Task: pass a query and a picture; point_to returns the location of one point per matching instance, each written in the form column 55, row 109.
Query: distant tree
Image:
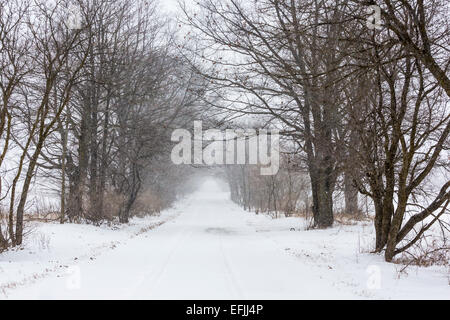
column 279, row 60
column 43, row 47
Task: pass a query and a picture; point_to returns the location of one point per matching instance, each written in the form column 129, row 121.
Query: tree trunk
column 351, row 196
column 79, row 173
column 63, row 132
column 24, row 195
column 322, row 199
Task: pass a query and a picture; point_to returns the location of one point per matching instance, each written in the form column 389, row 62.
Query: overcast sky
column 170, row 5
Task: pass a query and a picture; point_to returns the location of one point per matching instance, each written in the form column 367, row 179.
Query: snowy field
column 206, row 247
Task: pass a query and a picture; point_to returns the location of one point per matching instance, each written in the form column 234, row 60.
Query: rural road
column 209, row 251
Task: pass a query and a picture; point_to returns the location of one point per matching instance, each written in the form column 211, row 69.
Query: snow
column 207, row 247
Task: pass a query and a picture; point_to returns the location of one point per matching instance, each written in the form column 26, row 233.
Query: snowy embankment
column 55, row 250
column 341, row 256
column 209, row 248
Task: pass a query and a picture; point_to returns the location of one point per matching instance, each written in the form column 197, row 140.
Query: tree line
column 360, row 89
column 89, row 108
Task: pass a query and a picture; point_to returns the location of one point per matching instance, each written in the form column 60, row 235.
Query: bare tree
column 421, row 27
column 14, row 66
column 48, row 50
column 403, row 125
column 281, row 61
column 132, row 91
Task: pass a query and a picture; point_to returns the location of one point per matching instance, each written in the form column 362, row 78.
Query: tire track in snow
column 152, row 278
column 231, row 275
column 59, row 269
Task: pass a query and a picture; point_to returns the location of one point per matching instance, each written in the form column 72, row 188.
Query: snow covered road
column 211, row 250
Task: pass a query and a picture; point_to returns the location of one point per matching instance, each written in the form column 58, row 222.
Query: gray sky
column 170, row 5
